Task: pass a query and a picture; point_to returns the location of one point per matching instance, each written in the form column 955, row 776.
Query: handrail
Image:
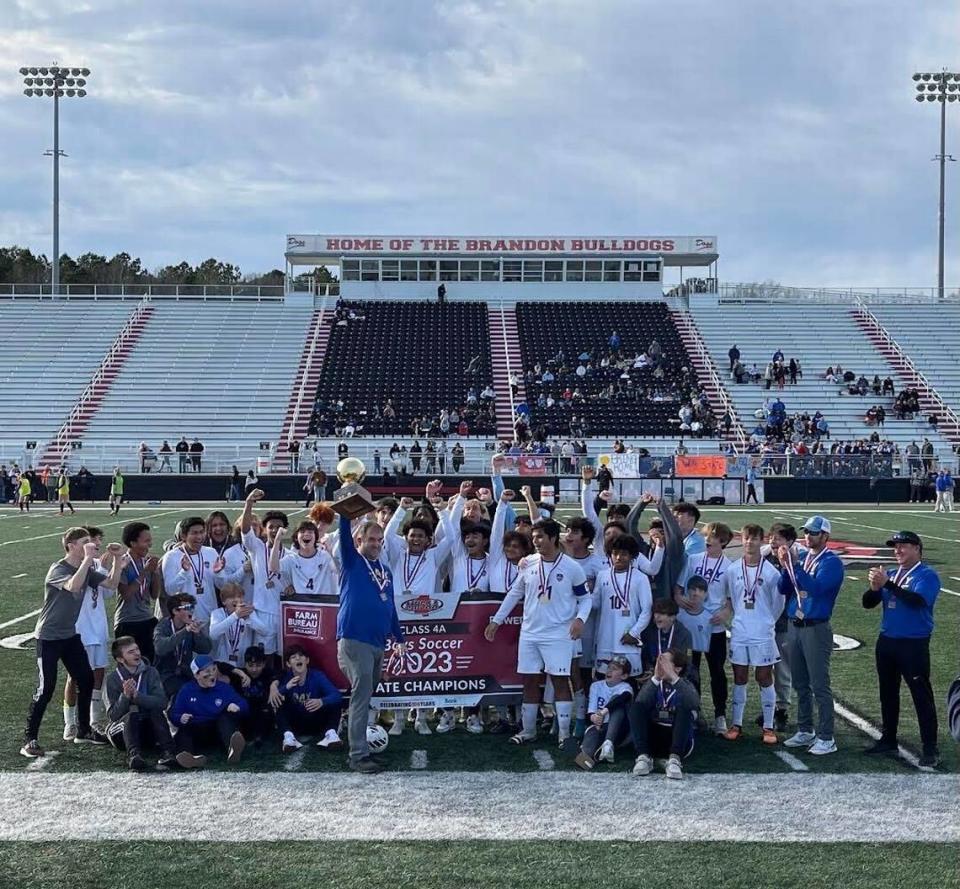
column 908, row 361
column 744, row 294
column 303, row 378
column 506, row 352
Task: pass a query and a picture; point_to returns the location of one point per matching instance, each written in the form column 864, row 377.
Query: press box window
column 449, row 270
column 350, row 270
column 390, row 270
column 651, row 270
column 512, row 269
column 489, row 270
column 428, row 270
column 574, row 269
column 533, row 270
column 594, row 270
column 553, row 270
column 370, row 270
column 469, row 270
column 611, row 270
column 408, row 270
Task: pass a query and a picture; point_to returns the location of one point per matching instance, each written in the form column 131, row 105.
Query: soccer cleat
column 734, row 733
column 800, row 739
column 138, row 763
column 397, row 728
column 566, row 744
column 32, row 750
column 584, row 761
column 474, row 725
column 367, row 766
column 643, row 765
column 188, row 761
column 447, row 723
column 673, row 768
column 522, row 738
column 290, row 743
column 421, row 726
column 330, row 741
column 823, row 746
column 769, row 737
column 606, row 753
column 930, row 760
column 167, row 761
column 235, row 748
column 882, row 748
column 91, row 736
column 69, row 731
column 720, row 725
column 500, row 727
column 780, row 719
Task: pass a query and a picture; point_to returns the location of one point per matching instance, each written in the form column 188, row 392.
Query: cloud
column 214, row 129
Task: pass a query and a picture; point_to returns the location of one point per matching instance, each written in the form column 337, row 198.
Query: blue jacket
column 904, row 620
column 367, row 612
column 205, row 704
column 822, row 586
column 315, row 685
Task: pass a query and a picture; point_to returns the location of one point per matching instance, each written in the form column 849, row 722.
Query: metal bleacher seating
column 545, row 329
column 50, row 350
column 413, row 353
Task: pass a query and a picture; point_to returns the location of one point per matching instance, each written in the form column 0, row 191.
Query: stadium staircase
column 505, row 358
column 720, row 401
column 100, row 383
column 300, row 407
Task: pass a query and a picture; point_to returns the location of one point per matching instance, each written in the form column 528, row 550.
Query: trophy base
column 352, row 506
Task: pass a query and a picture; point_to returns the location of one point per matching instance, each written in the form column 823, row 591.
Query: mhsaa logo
column 421, row 605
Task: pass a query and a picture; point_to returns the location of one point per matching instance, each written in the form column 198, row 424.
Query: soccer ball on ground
column 377, row 738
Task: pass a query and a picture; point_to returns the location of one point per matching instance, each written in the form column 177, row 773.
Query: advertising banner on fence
column 624, row 466
column 526, row 464
column 702, row 466
column 448, row 663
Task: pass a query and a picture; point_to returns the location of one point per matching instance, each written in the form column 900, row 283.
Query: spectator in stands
column 342, row 450
column 926, row 451
column 655, row 352
column 293, row 448
column 457, row 457
column 876, row 385
column 250, row 482
column 183, row 452
column 734, row 356
column 794, row 368
column 196, row 454
column 416, row 454
column 887, row 387
column 165, row 452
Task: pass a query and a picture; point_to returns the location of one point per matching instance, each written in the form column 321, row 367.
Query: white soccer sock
column 98, row 712
column 580, row 704
column 69, row 715
column 549, row 695
column 372, row 715
column 768, row 700
column 529, row 719
column 739, row 703
column 289, row 736
column 564, row 712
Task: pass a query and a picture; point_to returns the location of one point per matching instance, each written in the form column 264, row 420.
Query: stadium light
column 56, row 82
column 939, row 86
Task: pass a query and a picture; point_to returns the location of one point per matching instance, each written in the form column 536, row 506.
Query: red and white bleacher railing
column 311, row 355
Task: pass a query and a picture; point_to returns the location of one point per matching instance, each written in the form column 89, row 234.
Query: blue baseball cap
column 201, row 662
column 817, row 525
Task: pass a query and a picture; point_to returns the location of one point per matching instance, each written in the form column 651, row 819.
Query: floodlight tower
column 939, row 86
column 55, row 82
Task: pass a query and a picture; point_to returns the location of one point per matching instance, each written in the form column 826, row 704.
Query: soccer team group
column 615, row 626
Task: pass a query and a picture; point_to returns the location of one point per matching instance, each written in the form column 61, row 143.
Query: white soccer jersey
column 601, row 693
column 501, row 570
column 314, row 576
column 592, row 564
column 624, row 604
column 266, row 586
column 92, row 624
column 421, row 574
column 756, row 601
column 700, row 628
column 197, row 580
column 232, row 636
column 712, row 570
column 553, row 594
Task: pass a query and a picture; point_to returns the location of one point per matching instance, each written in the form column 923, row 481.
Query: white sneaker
column 606, row 753
column 800, row 739
column 290, row 743
column 422, row 727
column 720, row 725
column 330, row 739
column 70, row 732
column 474, row 725
column 821, row 747
column 643, row 765
column 674, row 769
column 397, row 727
column 447, row 723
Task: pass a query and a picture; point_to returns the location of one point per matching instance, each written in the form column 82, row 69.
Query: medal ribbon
column 122, row 680
column 508, row 570
column 410, row 576
column 474, row 579
column 141, row 577
column 669, row 640
column 665, row 699
column 545, row 581
column 903, row 576
column 197, row 570
column 705, row 572
column 623, row 594
column 378, row 574
column 235, row 635
column 750, row 590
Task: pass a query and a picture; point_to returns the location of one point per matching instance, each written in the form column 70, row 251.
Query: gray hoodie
column 674, row 556
column 150, row 695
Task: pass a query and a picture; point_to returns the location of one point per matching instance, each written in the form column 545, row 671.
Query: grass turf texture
column 29, row 543
column 351, row 865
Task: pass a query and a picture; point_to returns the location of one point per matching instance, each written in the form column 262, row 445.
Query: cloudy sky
column 214, row 128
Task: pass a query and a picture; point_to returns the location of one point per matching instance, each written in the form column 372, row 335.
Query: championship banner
column 701, row 466
column 448, row 662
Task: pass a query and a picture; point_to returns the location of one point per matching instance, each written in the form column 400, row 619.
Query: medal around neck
column 352, row 500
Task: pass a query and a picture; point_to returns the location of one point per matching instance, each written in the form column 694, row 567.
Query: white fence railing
column 741, row 294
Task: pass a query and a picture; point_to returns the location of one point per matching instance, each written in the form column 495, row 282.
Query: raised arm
column 276, row 551
column 245, row 517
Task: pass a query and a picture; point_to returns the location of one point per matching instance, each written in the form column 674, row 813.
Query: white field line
column 15, row 642
column 950, row 592
column 17, row 620
column 954, row 578
column 131, row 518
column 868, row 728
column 544, row 760
column 294, row 761
column 419, row 760
column 801, row 807
column 792, row 761
column 41, row 762
column 18, row 576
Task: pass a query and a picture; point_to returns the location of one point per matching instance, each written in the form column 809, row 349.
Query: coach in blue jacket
column 366, row 620
column 907, row 593
column 811, row 580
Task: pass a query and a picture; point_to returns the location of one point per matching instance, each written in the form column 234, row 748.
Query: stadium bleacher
column 414, row 354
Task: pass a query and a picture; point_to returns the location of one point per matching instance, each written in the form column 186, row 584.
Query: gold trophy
column 351, row 500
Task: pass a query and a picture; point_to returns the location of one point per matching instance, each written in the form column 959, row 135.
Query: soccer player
column 556, row 605
column 266, row 587
column 306, row 570
column 176, row 639
column 624, row 603
column 232, row 627
column 782, row 534
column 306, row 702
column 751, row 586
column 135, row 705
column 63, row 490
column 610, row 700
column 206, row 710
column 662, row 717
column 57, row 637
column 190, row 568
column 23, row 492
column 116, row 491
column 711, row 566
column 140, row 587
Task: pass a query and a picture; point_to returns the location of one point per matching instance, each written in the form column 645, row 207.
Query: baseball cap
column 201, row 662
column 817, row 524
column 905, row 537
